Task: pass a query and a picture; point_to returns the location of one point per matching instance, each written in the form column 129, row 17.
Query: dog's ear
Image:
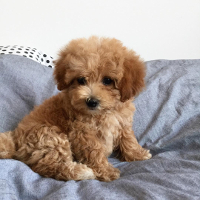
column 59, row 74
column 132, row 81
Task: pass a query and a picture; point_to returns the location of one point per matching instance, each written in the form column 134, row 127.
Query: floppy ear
column 59, row 74
column 132, row 81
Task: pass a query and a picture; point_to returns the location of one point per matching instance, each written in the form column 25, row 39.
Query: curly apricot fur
column 64, row 138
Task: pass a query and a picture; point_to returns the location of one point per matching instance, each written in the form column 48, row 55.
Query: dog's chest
column 108, row 131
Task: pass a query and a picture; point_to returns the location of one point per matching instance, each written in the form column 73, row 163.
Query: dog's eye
column 81, row 81
column 107, row 81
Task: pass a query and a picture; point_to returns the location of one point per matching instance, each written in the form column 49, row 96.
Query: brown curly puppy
column 70, row 135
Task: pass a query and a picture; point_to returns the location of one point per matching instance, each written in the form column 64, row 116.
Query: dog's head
column 98, row 73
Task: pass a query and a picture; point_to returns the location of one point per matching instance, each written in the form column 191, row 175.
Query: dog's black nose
column 92, row 103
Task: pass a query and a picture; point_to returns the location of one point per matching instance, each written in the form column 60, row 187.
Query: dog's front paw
column 139, row 154
column 107, row 174
column 146, row 155
column 143, row 154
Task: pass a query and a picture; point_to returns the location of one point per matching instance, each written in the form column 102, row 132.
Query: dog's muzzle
column 92, row 103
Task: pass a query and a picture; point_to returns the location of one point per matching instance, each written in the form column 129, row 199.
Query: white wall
column 156, row 29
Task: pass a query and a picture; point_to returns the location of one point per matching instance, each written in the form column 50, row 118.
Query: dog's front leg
column 130, row 148
column 88, row 150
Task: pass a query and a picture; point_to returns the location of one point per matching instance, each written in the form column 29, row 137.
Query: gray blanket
column 167, row 121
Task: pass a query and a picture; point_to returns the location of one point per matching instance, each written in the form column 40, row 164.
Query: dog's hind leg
column 47, row 151
column 7, row 146
column 52, row 167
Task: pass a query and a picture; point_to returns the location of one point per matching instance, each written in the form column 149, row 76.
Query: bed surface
column 167, row 121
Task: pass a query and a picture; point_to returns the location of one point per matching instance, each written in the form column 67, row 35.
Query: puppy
column 70, row 135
